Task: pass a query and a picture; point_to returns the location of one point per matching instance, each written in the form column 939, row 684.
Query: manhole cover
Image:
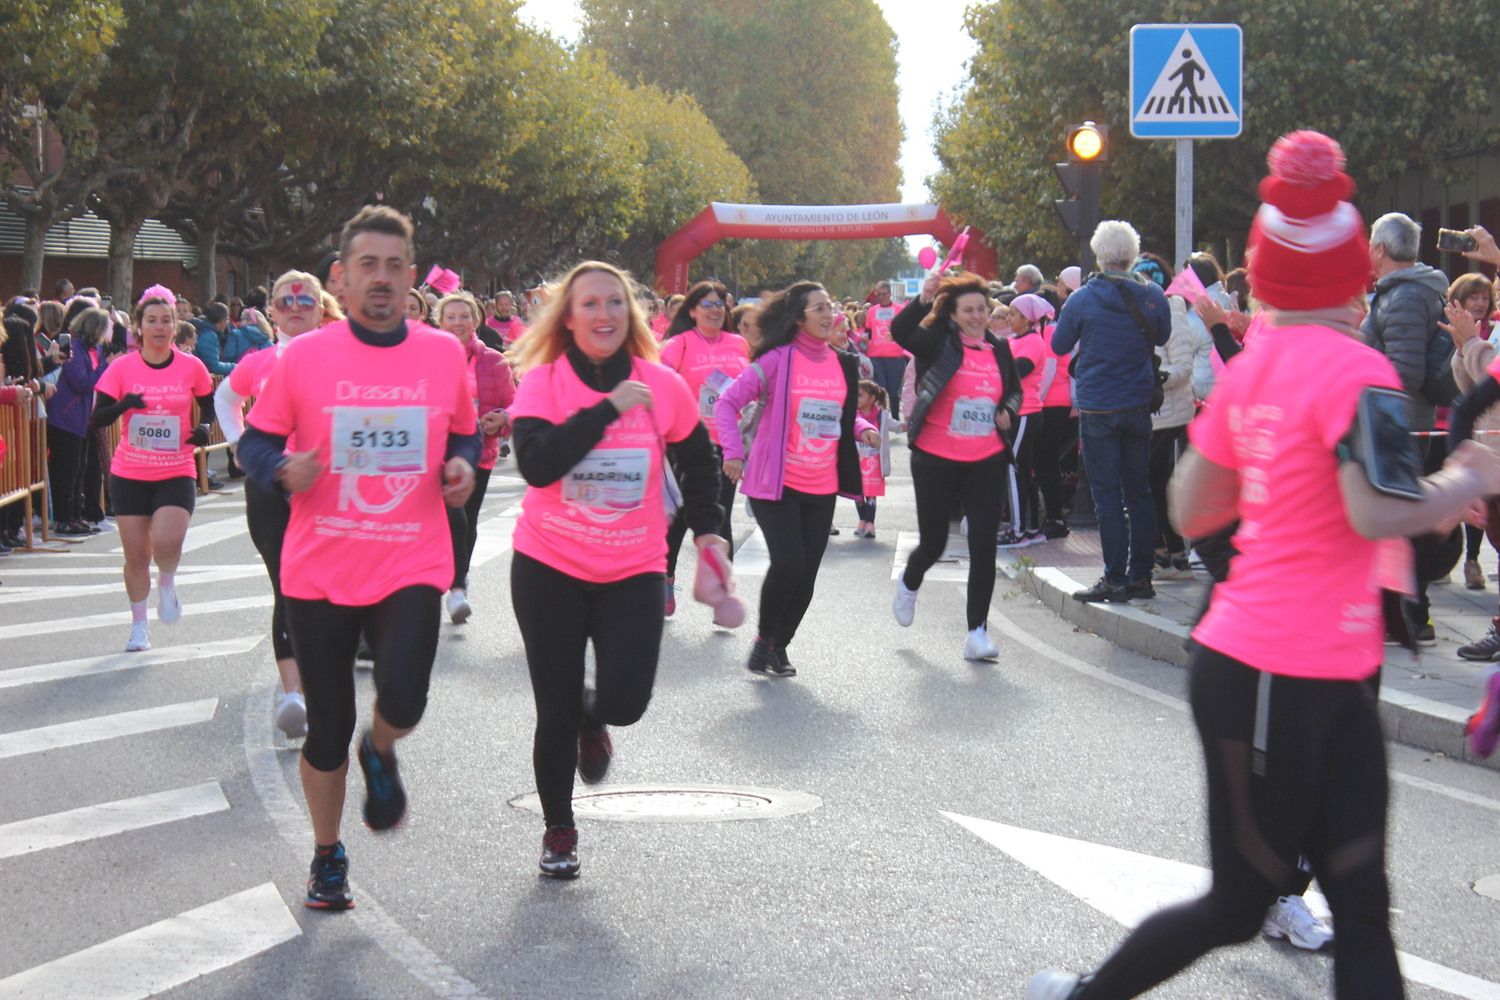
column 681, row 803
column 1489, row 887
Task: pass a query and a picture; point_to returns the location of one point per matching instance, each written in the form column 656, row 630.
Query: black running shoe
column 1140, row 590
column 328, row 880
column 1103, row 590
column 762, row 657
column 595, row 751
column 385, row 799
column 780, row 665
column 559, row 852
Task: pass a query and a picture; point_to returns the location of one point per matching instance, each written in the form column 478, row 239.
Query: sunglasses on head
column 290, row 302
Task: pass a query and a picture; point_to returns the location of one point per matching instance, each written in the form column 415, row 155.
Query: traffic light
column 1087, row 147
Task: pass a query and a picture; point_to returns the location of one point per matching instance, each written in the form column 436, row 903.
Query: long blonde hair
column 550, row 337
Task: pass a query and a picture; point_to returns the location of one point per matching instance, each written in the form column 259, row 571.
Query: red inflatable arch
column 809, row 222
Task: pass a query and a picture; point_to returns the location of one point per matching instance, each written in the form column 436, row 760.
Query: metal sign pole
column 1184, row 201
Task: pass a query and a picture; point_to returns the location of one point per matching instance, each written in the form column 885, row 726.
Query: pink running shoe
column 1484, row 725
column 714, row 585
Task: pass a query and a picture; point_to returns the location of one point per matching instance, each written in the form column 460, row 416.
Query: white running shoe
column 980, row 646
column 458, row 606
column 291, row 714
column 1290, row 918
column 168, row 605
column 140, row 637
column 905, row 604
column 1051, row 984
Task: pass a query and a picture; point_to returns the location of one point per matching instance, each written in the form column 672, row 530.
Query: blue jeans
column 1117, row 460
column 889, row 373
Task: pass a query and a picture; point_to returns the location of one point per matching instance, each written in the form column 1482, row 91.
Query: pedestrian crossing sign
column 1186, row 81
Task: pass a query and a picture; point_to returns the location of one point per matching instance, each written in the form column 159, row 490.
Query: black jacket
column 939, row 353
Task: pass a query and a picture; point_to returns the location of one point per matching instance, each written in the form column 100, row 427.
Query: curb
column 1409, row 719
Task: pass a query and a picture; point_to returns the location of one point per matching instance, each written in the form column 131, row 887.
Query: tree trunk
column 34, row 251
column 208, row 261
column 122, row 236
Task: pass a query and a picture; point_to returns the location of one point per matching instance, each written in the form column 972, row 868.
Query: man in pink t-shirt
column 886, row 356
column 386, row 435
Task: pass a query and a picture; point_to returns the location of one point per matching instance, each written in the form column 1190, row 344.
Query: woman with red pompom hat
column 1301, row 444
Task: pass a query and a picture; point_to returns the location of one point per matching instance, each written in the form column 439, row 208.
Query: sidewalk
column 1424, row 700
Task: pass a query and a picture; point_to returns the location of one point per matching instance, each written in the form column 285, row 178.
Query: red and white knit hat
column 1307, row 246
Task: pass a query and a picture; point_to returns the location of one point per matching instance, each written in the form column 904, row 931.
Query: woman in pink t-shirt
column 592, row 421
column 708, row 357
column 1035, row 364
column 494, row 387
column 153, row 475
column 966, row 405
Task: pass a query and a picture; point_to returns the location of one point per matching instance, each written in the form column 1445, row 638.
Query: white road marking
column 494, row 540
column 1128, row 887
column 54, row 626
column 952, row 567
column 752, row 558
column 89, row 666
column 113, row 568
column 106, row 727
column 162, row 955
column 185, row 578
column 205, row 534
column 292, row 824
column 109, row 818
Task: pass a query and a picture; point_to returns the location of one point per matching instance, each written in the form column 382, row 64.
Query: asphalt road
column 956, row 826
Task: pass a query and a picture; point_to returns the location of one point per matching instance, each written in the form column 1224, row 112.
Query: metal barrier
column 25, row 472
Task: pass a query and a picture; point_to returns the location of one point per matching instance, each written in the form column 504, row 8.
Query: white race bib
column 609, row 479
column 818, row 419
column 972, row 417
column 380, row 441
column 709, row 392
column 156, row 432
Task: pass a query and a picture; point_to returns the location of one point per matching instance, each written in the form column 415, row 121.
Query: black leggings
column 65, row 460
column 677, row 530
column 463, row 528
column 1167, row 444
column 558, row 615
column 268, row 514
column 1024, row 499
column 1316, row 783
column 796, row 532
column 403, row 633
column 938, row 483
column 1056, row 437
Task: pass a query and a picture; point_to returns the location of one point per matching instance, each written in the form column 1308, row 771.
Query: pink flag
column 1187, row 285
column 957, row 253
column 442, row 280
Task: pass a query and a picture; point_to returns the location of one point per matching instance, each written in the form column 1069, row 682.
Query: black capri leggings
column 1056, row 436
column 796, row 532
column 939, row 483
column 1294, row 765
column 558, row 615
column 677, row 531
column 268, row 514
column 403, row 634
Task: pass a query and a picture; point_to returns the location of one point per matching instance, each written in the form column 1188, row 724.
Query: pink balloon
column 926, row 257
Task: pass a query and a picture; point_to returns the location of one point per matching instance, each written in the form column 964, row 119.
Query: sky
column 934, row 49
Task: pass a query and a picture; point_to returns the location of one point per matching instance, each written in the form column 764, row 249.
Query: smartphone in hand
column 1456, row 241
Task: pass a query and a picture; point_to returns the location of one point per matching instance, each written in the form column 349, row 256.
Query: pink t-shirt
column 604, row 520
column 869, row 460
column 707, row 366
column 1060, row 392
column 1033, row 348
column 816, row 409
column 379, row 418
column 1303, row 595
column 154, row 441
column 878, row 321
column 249, row 376
column 961, row 424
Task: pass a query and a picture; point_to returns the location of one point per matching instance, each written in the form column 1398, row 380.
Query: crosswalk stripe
column 113, row 568
column 202, row 535
column 109, row 818
column 106, row 727
column 185, row 577
column 55, row 626
column 494, row 539
column 951, row 567
column 162, row 955
column 752, row 558
column 88, row 666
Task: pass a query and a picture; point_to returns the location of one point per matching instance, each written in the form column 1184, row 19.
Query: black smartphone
column 1387, row 449
column 1456, row 241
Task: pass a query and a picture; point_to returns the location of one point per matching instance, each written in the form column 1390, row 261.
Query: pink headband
column 158, row 292
column 1033, row 307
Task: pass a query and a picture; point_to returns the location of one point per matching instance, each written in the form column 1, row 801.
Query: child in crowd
column 873, row 404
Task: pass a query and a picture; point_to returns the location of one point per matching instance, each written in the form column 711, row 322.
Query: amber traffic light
column 1088, row 142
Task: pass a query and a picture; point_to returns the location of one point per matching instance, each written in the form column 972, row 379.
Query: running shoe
column 1103, row 590
column 1055, row 529
column 1427, row 635
column 781, row 664
column 980, row 646
column 1473, row 575
column 458, row 606
column 140, row 637
column 328, row 880
column 1486, row 649
column 291, row 714
column 1484, row 725
column 595, row 751
column 762, row 657
column 1290, row 918
column 1009, row 540
column 1033, row 536
column 559, row 852
column 168, row 605
column 1172, row 567
column 671, row 605
column 385, row 798
column 1140, row 590
column 1053, row 984
column 904, row 606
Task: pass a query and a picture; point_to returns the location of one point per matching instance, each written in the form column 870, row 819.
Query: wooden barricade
column 24, row 476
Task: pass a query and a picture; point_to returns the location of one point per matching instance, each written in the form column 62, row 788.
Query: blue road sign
column 1186, row 81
